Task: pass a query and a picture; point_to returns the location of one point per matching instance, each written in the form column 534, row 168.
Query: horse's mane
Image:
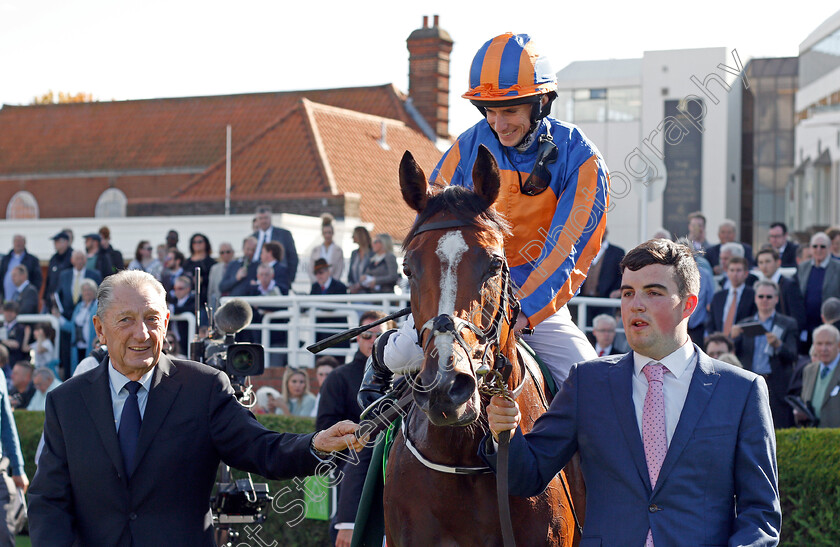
column 466, row 205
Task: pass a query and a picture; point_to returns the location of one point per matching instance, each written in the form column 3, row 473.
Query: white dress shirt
column 679, row 368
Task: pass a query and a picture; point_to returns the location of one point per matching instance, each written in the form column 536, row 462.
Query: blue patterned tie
column 824, row 372
column 130, row 427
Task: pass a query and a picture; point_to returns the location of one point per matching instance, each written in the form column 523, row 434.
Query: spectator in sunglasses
column 554, row 190
column 819, row 279
column 217, row 273
column 145, row 260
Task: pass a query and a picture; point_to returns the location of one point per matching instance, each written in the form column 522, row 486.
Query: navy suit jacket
column 65, row 289
column 715, row 318
column 290, row 256
column 789, row 255
column 718, row 483
column 609, row 279
column 81, row 493
column 791, row 302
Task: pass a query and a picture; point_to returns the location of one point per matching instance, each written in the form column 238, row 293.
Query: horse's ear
column 413, row 183
column 486, row 177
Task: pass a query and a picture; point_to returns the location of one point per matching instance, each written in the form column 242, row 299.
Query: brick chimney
column 428, row 74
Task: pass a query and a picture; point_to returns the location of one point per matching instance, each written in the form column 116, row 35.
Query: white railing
column 297, row 316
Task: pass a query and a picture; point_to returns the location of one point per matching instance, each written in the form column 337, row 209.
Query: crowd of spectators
column 767, row 311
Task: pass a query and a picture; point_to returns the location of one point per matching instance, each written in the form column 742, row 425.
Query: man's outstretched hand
column 338, row 437
column 502, row 415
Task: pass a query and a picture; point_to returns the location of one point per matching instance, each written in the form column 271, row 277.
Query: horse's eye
column 406, row 271
column 495, row 266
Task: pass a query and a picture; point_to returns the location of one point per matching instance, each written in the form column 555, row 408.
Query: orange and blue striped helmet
column 508, row 70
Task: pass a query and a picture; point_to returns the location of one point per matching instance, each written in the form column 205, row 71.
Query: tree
column 51, row 98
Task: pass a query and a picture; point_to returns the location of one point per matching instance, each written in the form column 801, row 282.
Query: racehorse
column 437, row 489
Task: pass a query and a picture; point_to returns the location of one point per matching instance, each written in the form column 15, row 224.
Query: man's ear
column 690, row 305
column 97, row 327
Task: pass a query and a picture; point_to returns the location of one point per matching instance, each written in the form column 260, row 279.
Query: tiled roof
column 317, row 149
column 85, row 138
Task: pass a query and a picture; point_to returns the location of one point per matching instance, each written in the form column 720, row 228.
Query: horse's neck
column 447, row 445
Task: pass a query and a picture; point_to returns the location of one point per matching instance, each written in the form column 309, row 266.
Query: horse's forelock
column 466, row 205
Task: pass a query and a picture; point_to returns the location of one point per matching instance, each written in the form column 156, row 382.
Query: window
column 617, row 104
column 22, row 205
column 112, row 203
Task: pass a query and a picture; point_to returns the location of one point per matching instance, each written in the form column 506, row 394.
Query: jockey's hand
column 502, row 415
column 521, row 323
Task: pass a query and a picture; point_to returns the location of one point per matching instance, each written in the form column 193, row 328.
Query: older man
column 677, row 448
column 819, row 279
column 603, row 331
column 727, row 233
column 44, row 381
column 821, row 380
column 217, row 273
column 131, row 448
column 25, row 294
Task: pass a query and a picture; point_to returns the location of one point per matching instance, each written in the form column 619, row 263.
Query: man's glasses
column 225, row 252
column 819, row 246
column 765, row 296
column 540, row 176
column 369, row 335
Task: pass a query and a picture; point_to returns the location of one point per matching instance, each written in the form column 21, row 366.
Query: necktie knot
column 133, row 387
column 824, row 372
column 654, row 372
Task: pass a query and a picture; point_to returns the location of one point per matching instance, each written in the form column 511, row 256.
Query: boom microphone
column 233, row 316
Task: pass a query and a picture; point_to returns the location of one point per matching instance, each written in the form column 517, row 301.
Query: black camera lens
column 245, row 359
column 242, row 361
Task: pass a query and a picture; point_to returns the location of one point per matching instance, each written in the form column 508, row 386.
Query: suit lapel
column 803, row 279
column 97, row 397
column 621, row 386
column 832, row 382
column 161, row 396
column 703, row 383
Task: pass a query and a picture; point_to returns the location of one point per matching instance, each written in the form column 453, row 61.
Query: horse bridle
column 491, row 336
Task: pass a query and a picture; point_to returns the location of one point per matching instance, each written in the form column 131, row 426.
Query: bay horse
column 437, row 489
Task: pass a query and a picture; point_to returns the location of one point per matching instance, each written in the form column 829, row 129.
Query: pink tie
column 653, row 426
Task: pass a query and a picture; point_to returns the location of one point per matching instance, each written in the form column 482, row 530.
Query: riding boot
column 378, row 378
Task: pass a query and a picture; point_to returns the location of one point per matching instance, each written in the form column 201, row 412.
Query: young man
column 677, row 448
column 554, row 190
column 734, row 303
column 136, row 463
column 790, row 298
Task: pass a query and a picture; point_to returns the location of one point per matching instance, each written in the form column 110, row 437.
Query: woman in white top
column 328, row 250
column 44, row 346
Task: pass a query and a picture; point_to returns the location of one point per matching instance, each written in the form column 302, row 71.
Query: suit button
column 653, row 508
column 133, row 516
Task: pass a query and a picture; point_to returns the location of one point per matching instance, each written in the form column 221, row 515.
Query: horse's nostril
column 462, row 388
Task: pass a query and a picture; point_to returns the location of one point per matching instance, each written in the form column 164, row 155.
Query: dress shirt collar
column 824, row 263
column 676, row 362
column 118, row 379
column 830, row 365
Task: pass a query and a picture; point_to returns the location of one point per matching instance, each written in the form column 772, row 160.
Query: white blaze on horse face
column 450, row 249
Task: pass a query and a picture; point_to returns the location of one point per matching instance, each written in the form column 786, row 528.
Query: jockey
column 554, row 193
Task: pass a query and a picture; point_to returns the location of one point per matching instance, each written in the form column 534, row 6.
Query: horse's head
column 455, row 263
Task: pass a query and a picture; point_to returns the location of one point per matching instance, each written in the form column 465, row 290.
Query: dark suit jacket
column 65, row 289
column 610, row 277
column 781, row 365
column 27, row 299
column 58, row 263
column 231, row 286
column 713, row 254
column 722, row 454
column 790, row 301
column 715, row 318
column 830, row 410
column 789, row 255
column 290, row 255
column 336, row 287
column 191, row 422
column 103, row 263
column 338, row 402
column 33, row 266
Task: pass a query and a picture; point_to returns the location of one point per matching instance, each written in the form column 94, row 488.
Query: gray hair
column 89, row 283
column 604, row 318
column 767, row 283
column 728, row 222
column 826, row 328
column 734, row 248
column 44, row 372
column 820, row 235
column 387, row 243
column 134, row 279
column 830, row 309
